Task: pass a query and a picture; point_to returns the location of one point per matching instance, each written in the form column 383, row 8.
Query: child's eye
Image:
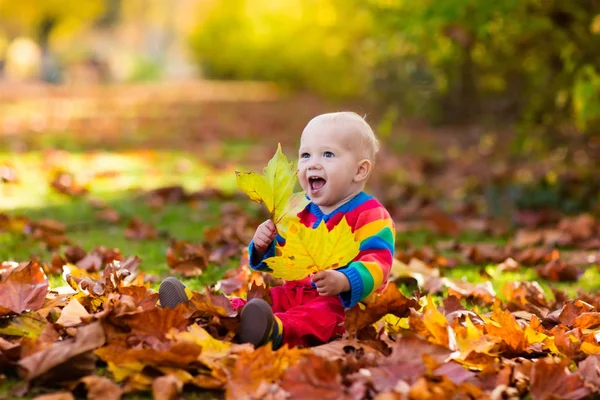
column 304, row 155
column 328, row 154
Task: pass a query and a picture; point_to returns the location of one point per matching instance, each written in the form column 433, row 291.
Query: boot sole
column 256, row 322
column 172, row 293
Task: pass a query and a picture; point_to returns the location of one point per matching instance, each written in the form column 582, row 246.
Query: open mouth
column 316, row 183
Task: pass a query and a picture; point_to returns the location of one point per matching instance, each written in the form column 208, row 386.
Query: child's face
column 328, row 166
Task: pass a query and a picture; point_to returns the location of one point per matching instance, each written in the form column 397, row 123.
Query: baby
column 336, row 156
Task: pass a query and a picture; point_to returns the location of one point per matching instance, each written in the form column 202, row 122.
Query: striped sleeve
column 371, row 267
column 259, row 264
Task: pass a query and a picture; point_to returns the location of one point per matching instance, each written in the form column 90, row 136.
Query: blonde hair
column 351, row 122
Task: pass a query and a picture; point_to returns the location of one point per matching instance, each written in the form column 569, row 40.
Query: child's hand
column 330, row 282
column 264, row 236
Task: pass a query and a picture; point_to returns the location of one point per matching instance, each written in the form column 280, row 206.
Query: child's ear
column 362, row 171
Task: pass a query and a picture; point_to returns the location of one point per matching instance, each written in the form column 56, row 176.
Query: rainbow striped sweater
column 373, row 228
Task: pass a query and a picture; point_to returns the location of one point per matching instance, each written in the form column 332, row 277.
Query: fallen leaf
column 72, row 313
column 67, row 359
column 262, row 366
column 314, row 377
column 63, row 395
column 24, row 288
column 101, row 388
column 166, row 387
column 390, row 301
column 139, row 230
column 550, row 380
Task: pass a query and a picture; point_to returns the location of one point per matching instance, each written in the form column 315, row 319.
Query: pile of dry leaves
column 396, row 347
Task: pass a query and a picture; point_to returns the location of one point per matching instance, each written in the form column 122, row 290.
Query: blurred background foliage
column 522, row 74
column 533, row 62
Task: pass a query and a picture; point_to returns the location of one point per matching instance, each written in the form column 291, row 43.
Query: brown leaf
column 443, row 223
column 580, row 227
column 551, row 380
column 66, row 359
column 589, row 369
column 187, row 258
column 559, row 271
column 531, row 256
column 91, row 262
column 64, row 395
column 391, row 301
column 315, row 377
column 454, row 371
column 65, row 183
column 256, row 369
column 109, row 215
column 587, row 320
column 101, row 388
column 524, row 293
column 339, row 349
column 74, row 254
column 138, row 230
column 259, row 291
column 209, row 305
column 409, row 349
column 158, row 321
column 505, row 326
column 525, row 238
column 23, row 288
column 482, row 291
column 166, row 387
column 569, row 313
column 484, row 253
column 176, row 355
column 71, row 315
column 143, row 298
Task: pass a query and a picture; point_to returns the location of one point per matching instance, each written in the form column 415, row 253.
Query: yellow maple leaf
column 275, row 189
column 310, row 250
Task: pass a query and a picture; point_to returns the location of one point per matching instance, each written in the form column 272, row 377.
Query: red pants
column 308, row 318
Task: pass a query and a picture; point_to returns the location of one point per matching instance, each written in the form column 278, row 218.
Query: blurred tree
column 307, row 44
column 531, row 61
column 43, row 19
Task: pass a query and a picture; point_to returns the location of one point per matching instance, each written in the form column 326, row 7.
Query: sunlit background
column 486, row 109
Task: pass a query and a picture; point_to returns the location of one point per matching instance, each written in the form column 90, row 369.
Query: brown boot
column 171, row 293
column 258, row 324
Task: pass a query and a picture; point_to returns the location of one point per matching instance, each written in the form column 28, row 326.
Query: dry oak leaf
column 23, row 288
column 275, row 189
column 390, row 301
column 310, row 250
column 257, row 370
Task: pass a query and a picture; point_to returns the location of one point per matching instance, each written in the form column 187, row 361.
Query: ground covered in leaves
column 480, row 304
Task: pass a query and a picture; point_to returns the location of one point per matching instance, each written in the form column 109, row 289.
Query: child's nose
column 314, row 164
